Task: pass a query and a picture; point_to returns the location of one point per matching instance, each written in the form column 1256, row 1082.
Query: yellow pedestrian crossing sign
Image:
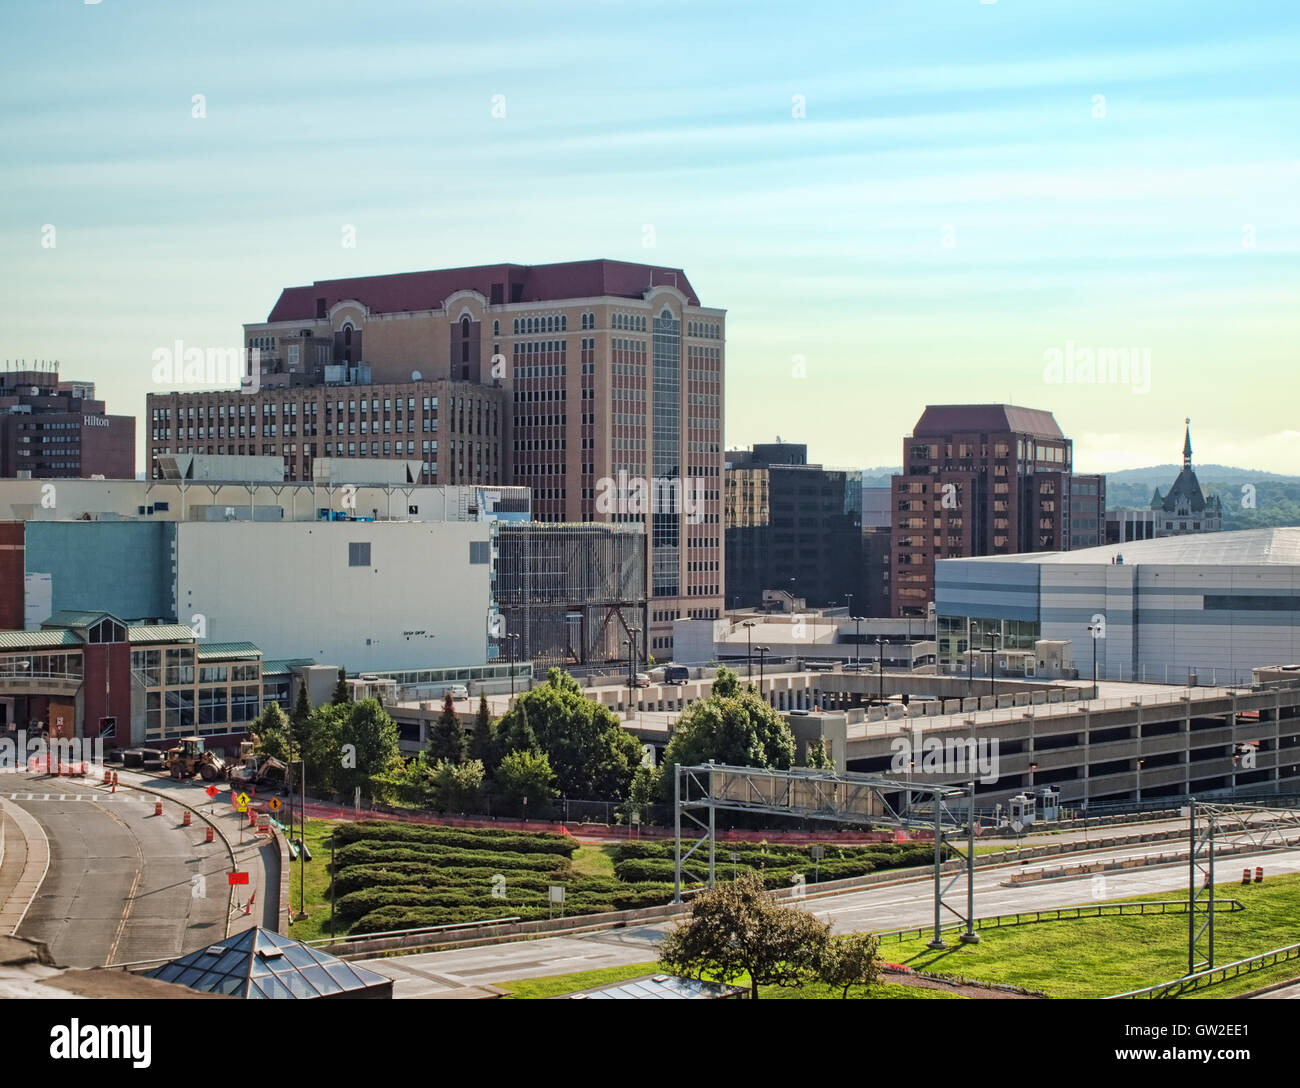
column 273, row 804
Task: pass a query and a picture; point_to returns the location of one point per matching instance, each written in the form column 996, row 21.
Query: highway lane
column 123, row 885
column 892, row 907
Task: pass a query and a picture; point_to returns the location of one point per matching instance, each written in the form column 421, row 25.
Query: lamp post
column 880, row 665
column 749, row 650
column 1095, row 630
column 762, row 652
column 510, row 653
column 630, row 679
column 994, row 637
column 857, row 644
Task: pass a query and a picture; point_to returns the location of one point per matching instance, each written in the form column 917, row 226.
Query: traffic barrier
column 208, row 837
column 252, row 817
column 1245, row 876
column 1259, row 874
column 157, row 808
column 185, row 820
column 248, row 907
column 108, row 776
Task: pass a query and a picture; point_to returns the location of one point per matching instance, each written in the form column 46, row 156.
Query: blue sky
column 955, row 203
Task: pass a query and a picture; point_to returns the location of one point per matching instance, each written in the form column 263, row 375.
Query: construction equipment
column 191, row 758
column 260, row 770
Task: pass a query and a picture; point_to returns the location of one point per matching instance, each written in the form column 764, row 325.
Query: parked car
column 676, row 674
column 643, row 679
column 459, row 691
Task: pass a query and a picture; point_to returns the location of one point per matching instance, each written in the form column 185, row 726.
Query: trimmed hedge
column 429, row 856
column 359, row 877
column 466, row 838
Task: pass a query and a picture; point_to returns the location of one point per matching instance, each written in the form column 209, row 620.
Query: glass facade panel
column 665, row 534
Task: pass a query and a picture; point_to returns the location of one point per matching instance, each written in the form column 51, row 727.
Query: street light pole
column 880, row 665
column 1094, row 629
column 994, row 637
column 628, row 643
column 749, row 651
column 857, row 644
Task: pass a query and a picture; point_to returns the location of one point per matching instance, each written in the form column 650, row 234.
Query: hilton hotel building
column 575, row 380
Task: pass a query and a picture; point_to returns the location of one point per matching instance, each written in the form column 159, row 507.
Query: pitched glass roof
column 660, row 988
column 260, row 964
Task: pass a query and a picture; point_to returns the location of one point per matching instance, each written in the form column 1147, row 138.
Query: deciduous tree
column 737, row 928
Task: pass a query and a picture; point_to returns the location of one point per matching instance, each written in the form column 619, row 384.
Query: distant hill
column 1276, row 497
column 1271, row 500
column 1163, row 475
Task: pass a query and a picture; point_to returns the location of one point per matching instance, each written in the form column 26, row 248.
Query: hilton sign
column 94, row 421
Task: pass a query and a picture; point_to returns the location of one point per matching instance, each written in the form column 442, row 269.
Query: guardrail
column 1213, row 975
column 418, row 931
column 1059, row 914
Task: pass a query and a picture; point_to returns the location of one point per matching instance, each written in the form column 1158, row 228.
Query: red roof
column 941, row 419
column 427, row 290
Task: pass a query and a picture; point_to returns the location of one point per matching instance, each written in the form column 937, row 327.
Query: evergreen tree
column 518, row 735
column 341, row 694
column 447, row 738
column 301, row 711
column 481, row 742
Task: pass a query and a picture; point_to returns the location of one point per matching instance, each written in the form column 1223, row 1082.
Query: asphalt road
column 896, row 907
column 123, row 885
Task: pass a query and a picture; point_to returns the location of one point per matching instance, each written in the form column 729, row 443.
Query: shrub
column 540, row 842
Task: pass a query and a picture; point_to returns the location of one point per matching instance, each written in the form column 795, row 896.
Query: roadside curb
column 37, row 865
column 230, row 850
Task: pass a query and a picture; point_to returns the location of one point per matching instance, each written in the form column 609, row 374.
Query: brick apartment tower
column 978, row 479
column 601, row 368
column 52, row 429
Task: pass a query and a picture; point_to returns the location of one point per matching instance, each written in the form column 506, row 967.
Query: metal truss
column 1259, row 827
column 826, row 795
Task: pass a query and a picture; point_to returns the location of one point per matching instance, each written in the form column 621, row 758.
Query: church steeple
column 1187, row 446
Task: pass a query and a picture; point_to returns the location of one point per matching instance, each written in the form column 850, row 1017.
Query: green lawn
column 554, row 985
column 594, row 860
column 1097, row 957
column 316, row 880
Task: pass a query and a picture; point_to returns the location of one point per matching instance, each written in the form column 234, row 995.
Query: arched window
column 464, row 339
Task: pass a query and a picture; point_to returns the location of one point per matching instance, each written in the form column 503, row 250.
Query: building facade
column 52, row 429
column 1200, row 609
column 1085, row 512
column 978, row 479
column 597, row 384
column 90, row 675
column 1185, row 508
column 789, row 527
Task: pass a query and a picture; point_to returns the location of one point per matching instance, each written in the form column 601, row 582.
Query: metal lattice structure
column 839, row 798
column 1257, row 826
column 569, row 591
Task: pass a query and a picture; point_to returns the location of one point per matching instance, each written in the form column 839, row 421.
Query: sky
column 897, row 202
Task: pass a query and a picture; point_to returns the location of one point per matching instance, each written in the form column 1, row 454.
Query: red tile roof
column 427, row 290
column 940, row 419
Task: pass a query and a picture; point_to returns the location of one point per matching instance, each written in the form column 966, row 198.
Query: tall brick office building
column 562, row 378
column 52, row 429
column 981, row 479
